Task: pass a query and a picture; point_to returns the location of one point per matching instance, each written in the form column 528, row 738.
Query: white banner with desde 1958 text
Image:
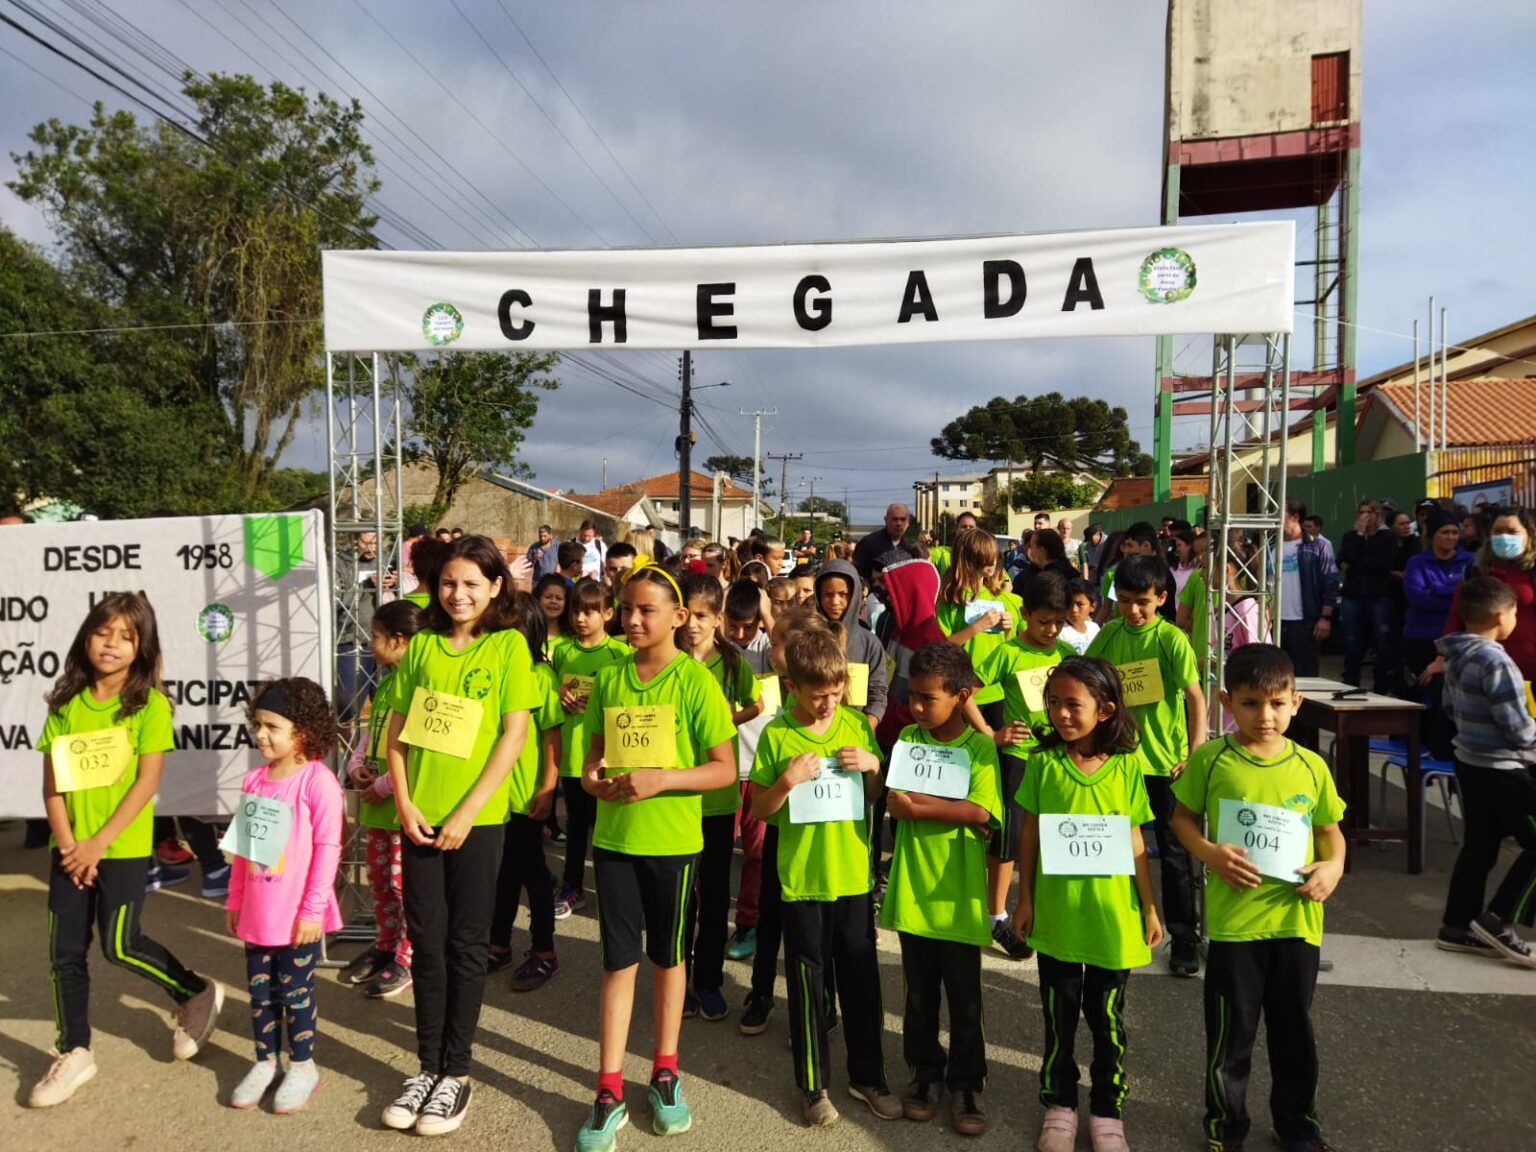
column 1122, row 282
column 238, row 600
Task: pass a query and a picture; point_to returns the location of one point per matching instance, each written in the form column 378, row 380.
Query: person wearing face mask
column 1366, row 557
column 1509, row 554
column 1430, row 580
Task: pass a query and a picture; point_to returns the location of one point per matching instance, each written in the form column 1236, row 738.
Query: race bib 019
column 640, row 736
column 90, row 759
column 931, row 769
column 441, row 722
column 1079, row 845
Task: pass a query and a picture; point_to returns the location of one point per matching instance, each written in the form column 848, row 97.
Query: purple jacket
column 1428, row 587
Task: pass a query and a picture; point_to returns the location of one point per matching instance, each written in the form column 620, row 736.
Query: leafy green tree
column 821, row 506
column 738, row 468
column 472, row 410
column 1048, row 491
column 1045, row 431
column 213, row 235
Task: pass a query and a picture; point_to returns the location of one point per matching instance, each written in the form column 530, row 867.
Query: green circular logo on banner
column 442, row 324
column 1167, row 276
column 215, row 623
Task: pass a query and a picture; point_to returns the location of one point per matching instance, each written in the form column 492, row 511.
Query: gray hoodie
column 861, row 646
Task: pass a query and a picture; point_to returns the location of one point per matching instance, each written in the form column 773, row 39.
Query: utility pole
column 757, row 456
column 604, row 488
column 812, row 503
column 685, row 453
column 784, row 458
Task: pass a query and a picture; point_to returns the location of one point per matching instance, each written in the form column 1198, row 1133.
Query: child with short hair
column 1165, row 695
column 660, row 737
column 709, row 905
column 937, row 895
column 1266, row 930
column 101, row 814
column 587, row 650
column 783, row 594
column 384, row 970
column 744, row 628
column 282, row 896
column 1090, row 926
column 1018, row 668
column 570, row 558
column 1140, row 539
column 1495, row 746
column 823, row 867
column 1080, row 627
column 804, row 579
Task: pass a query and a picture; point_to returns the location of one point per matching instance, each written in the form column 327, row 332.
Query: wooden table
column 1354, row 719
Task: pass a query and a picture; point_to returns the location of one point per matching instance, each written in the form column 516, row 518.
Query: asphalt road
column 1420, row 1050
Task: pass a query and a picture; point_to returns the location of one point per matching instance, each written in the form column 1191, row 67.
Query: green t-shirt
column 1297, row 780
column 951, row 618
column 938, row 556
column 381, row 710
column 938, row 882
column 1164, row 729
column 1107, row 583
column 1196, row 597
column 530, row 761
column 1003, row 665
column 1088, row 919
column 669, row 823
column 494, row 669
column 571, row 659
column 816, row 861
column 743, row 690
column 149, row 731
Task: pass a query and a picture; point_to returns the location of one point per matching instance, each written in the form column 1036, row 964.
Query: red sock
column 611, row 1082
column 660, row 1064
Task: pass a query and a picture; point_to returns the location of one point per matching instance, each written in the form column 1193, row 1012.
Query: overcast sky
column 798, row 121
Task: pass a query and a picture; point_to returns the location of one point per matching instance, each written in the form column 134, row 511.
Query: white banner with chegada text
column 1125, row 282
column 238, row 600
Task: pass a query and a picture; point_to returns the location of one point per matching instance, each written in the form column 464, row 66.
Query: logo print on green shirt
column 477, row 684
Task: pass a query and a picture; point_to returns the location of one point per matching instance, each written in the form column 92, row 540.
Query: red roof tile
column 1483, row 410
column 665, row 487
column 613, row 502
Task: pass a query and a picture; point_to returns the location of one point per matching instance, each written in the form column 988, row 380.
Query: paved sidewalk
column 1407, row 1063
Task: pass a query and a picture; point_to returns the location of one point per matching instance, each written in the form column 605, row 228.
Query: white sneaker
column 68, row 1071
column 196, row 1019
column 414, row 1093
column 299, row 1084
column 253, row 1085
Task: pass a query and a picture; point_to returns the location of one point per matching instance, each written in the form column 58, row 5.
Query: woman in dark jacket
column 1366, row 557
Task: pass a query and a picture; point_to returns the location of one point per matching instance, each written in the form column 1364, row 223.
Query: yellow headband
column 644, row 562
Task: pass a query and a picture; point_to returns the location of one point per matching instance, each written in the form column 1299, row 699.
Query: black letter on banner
column 991, row 273
column 504, row 313
column 599, row 314
column 917, row 299
column 1083, row 287
column 709, row 308
column 817, row 317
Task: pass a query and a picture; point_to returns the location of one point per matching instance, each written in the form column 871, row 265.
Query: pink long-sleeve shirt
column 271, row 901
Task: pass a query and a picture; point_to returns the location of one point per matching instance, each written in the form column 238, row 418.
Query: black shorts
column 641, row 892
column 1005, row 845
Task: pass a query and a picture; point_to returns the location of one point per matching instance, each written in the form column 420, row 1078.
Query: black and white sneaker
column 406, row 1109
column 1500, row 935
column 445, row 1109
column 1463, row 940
column 1005, row 938
column 368, row 965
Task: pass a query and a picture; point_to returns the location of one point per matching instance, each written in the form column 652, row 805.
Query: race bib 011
column 90, row 759
column 640, row 736
column 441, row 722
column 931, row 769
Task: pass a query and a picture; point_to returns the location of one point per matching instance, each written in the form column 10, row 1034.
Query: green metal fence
column 1336, row 494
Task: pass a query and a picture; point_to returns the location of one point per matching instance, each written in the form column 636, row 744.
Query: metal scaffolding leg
column 363, row 422
column 1246, row 503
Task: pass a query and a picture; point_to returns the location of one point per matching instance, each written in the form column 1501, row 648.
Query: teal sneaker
column 601, row 1131
column 669, row 1109
column 743, row 945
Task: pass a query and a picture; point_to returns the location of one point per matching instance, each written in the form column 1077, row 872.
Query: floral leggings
column 283, row 985
column 388, row 910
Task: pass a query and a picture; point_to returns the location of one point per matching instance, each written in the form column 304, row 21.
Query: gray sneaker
column 881, row 1100
column 196, row 1020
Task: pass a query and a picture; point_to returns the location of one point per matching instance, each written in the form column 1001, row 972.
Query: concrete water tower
column 1263, row 113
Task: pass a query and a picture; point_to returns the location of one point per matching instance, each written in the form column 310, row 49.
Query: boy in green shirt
column 937, row 895
column 1266, row 931
column 1019, row 666
column 822, row 858
column 1163, row 691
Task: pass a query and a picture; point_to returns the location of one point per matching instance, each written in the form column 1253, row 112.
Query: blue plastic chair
column 1441, row 773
